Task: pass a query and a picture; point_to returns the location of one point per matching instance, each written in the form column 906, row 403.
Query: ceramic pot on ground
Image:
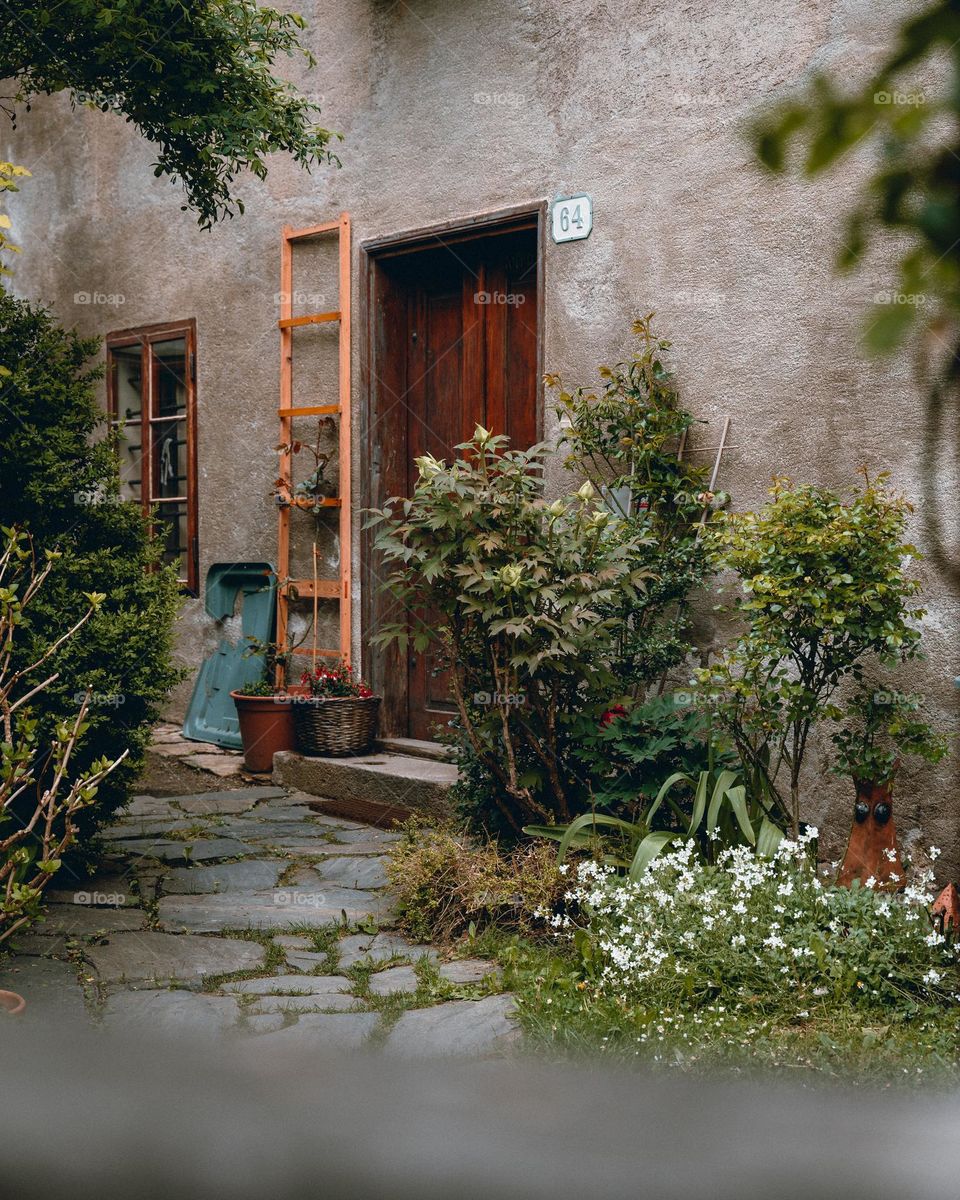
column 266, row 726
column 11, row 1003
column 872, row 851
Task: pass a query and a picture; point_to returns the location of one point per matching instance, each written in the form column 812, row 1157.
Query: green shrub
column 825, row 594
column 447, row 885
column 624, row 435
column 517, row 585
column 37, row 818
column 551, row 614
column 51, row 464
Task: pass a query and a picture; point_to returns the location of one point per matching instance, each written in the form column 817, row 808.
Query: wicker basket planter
column 335, row 725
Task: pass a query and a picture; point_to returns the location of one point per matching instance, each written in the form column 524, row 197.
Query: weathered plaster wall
column 454, row 109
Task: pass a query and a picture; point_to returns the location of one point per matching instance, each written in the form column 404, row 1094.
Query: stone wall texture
column 454, row 109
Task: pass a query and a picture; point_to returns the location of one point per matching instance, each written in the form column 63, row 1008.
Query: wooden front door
column 458, row 327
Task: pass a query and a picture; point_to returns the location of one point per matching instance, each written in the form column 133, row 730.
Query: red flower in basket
column 335, row 682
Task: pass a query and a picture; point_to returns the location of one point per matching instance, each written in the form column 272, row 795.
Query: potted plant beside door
column 884, row 728
column 264, row 710
column 338, row 714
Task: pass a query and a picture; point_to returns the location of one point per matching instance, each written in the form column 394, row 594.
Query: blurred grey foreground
column 87, row 1116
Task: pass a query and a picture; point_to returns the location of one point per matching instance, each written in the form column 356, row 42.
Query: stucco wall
column 452, row 109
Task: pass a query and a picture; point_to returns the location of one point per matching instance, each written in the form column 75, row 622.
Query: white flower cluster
column 689, row 928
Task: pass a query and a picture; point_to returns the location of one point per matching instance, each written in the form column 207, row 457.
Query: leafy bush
column 625, row 436
column 447, row 886
column 51, row 465
column 882, row 729
column 518, row 586
column 762, row 932
column 40, row 791
column 631, row 750
column 552, row 614
column 825, row 593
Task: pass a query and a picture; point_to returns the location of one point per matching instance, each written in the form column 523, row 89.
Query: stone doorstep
column 400, row 780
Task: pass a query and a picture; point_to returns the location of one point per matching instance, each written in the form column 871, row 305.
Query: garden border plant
column 825, row 594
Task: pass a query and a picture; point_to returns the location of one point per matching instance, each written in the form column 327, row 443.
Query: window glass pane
column 169, row 463
column 129, row 382
column 131, row 461
column 170, row 377
column 174, row 534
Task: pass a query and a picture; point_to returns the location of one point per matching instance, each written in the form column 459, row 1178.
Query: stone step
column 415, row 748
column 397, row 782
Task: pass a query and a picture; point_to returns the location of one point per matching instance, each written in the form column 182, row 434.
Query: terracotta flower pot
column 266, row 726
column 11, row 1003
column 872, row 850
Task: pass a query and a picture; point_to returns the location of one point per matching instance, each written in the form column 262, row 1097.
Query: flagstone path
column 245, row 913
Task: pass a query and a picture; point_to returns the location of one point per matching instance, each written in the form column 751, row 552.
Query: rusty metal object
column 946, row 908
column 872, row 851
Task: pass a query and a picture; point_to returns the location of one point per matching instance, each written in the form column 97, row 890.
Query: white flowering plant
column 764, row 933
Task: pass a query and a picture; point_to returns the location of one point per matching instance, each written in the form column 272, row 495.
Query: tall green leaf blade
column 647, row 851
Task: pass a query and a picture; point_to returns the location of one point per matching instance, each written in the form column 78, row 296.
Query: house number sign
column 571, row 217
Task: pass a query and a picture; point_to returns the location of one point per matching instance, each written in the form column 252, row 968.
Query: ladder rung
column 320, row 654
column 310, row 410
column 327, row 589
column 298, row 235
column 312, row 319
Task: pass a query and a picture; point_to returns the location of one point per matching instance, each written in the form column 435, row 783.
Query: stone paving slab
column 280, row 909
column 249, row 874
column 218, row 764
column 290, row 985
column 467, row 970
column 232, row 800
column 394, row 979
column 350, row 870
column 257, row 1023
column 165, row 1011
column 51, row 989
column 202, row 850
column 147, row 827
column 150, row 806
column 320, row 1032
column 321, row 1002
column 75, row 920
column 362, row 948
column 37, row 946
column 168, row 958
column 368, row 836
column 456, row 1028
column 100, row 891
column 305, row 960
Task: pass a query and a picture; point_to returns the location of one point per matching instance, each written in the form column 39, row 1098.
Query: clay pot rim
column 12, row 1003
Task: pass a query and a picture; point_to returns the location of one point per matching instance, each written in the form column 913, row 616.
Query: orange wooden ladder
column 306, row 589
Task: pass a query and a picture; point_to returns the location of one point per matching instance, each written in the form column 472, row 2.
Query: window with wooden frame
column 152, row 403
